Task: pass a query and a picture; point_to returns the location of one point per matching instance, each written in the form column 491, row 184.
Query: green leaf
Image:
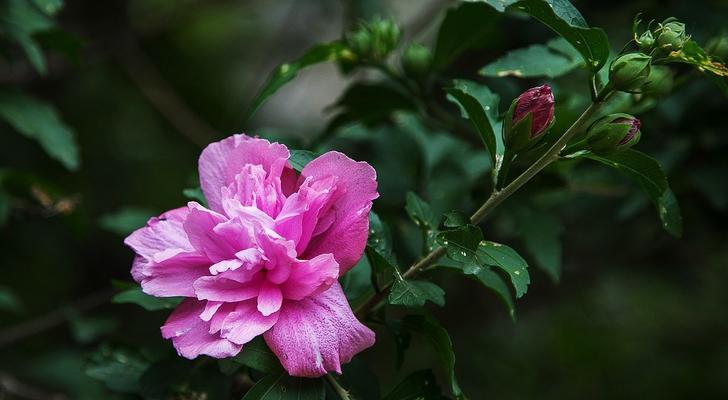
column 414, row 293
column 119, row 369
column 467, row 246
column 195, row 193
column 284, row 387
column 463, row 93
column 669, row 212
column 20, row 21
column 257, row 355
column 149, row 303
column 541, row 232
column 126, row 220
column 456, row 219
column 421, row 214
column 420, row 385
column 440, row 341
column 534, row 61
column 650, row 176
column 563, row 18
column 299, row 159
column 40, row 121
column 284, row 73
column 466, row 27
column 691, row 53
column 496, row 283
column 380, row 238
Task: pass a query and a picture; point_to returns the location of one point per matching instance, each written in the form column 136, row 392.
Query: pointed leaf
column 414, row 293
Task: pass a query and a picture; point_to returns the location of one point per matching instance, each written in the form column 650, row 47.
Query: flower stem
column 340, row 391
column 498, row 196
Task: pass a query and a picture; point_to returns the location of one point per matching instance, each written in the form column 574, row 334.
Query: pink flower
column 264, row 259
column 538, row 101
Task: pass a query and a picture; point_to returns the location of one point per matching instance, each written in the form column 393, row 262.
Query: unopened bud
column 630, row 71
column 614, row 133
column 671, row 35
column 530, row 115
column 659, row 82
column 416, row 60
column 374, row 40
column 646, row 41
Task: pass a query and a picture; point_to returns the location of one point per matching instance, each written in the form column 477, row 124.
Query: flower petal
column 200, row 225
column 270, row 298
column 228, row 287
column 221, row 161
column 246, row 322
column 190, row 334
column 345, row 224
column 316, row 335
column 163, row 234
column 310, row 277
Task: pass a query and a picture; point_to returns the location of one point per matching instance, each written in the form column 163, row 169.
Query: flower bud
column 613, row 133
column 659, row 82
column 374, row 40
column 530, row 115
column 671, row 36
column 416, row 60
column 630, row 71
column 646, row 41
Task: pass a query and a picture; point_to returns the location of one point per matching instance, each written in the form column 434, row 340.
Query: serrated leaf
column 650, row 176
column 440, row 341
column 415, row 293
column 420, row 385
column 284, row 387
column 299, row 159
column 421, row 214
column 284, row 73
column 126, row 220
column 463, row 93
column 467, row 246
column 149, row 303
column 466, row 27
column 39, row 121
column 533, row 61
column 563, row 18
column 691, row 53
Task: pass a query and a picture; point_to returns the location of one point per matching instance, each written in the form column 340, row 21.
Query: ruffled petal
column 221, row 161
column 310, row 277
column 270, row 298
column 315, row 336
column 246, row 322
column 190, row 334
column 343, row 229
column 161, row 235
column 200, row 227
column 300, row 213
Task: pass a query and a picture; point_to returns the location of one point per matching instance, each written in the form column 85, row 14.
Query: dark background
column 636, row 314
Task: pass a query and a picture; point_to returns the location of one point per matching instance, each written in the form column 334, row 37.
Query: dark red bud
column 635, row 125
column 539, row 101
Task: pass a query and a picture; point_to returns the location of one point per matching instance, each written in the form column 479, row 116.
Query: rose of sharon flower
column 264, row 258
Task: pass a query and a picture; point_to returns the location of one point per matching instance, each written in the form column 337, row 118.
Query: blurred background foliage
column 113, row 101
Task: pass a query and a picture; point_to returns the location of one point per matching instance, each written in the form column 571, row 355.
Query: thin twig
column 497, row 197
